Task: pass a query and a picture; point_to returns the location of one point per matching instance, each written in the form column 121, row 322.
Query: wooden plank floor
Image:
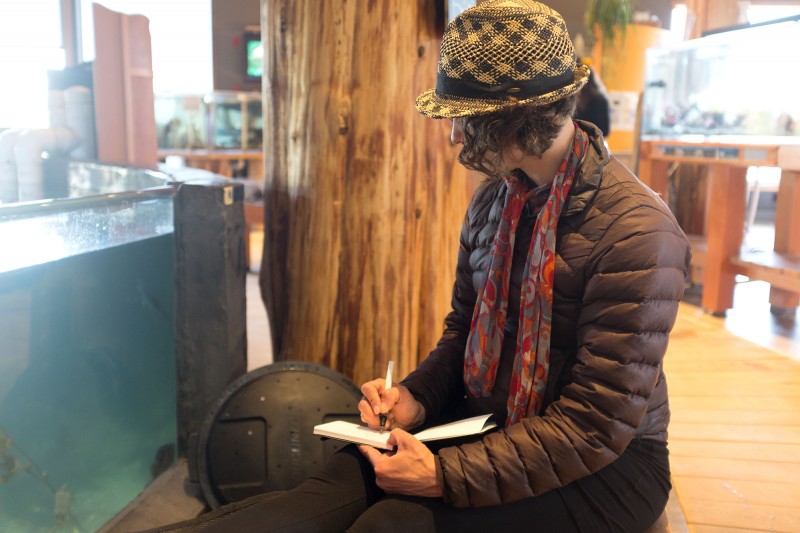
column 734, row 438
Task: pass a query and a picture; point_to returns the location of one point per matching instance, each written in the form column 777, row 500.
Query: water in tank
column 87, row 356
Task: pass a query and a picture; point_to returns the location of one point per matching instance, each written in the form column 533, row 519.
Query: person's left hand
column 411, row 470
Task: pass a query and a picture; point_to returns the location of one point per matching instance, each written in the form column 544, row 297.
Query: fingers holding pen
column 389, row 398
column 372, row 395
column 376, row 401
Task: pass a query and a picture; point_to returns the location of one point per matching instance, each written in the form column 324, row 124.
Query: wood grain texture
column 364, row 197
column 724, row 223
column 745, row 516
column 730, row 491
column 734, row 438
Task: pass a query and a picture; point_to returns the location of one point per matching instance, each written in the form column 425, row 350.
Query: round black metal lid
column 258, row 436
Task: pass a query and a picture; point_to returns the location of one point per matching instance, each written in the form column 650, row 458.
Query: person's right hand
column 404, row 411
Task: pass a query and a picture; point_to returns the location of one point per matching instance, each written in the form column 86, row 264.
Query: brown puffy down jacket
column 621, row 267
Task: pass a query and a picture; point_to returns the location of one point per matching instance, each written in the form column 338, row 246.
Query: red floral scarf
column 484, row 344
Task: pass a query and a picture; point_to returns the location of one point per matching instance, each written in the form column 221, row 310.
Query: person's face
column 511, row 156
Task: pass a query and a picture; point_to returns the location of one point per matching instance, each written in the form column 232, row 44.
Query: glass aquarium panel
column 107, row 206
column 218, row 120
column 255, row 124
column 180, row 121
column 57, row 234
column 731, row 83
column 234, row 119
column 87, row 356
column 85, row 179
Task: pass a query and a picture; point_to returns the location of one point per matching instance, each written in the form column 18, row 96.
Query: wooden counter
column 221, row 161
column 719, row 254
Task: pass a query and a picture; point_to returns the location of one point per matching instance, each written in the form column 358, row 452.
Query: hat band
column 513, row 89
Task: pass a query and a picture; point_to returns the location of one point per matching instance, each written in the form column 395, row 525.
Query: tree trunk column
column 364, row 197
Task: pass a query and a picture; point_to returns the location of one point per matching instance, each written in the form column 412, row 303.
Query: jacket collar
column 587, row 180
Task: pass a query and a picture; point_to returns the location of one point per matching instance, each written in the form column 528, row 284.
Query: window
column 180, row 37
column 30, row 45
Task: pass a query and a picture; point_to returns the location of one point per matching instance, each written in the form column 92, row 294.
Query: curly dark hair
column 531, row 128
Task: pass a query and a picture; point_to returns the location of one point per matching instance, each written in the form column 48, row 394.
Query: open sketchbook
column 350, row 432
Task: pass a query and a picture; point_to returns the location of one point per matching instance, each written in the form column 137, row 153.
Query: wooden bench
column 727, row 160
column 780, row 270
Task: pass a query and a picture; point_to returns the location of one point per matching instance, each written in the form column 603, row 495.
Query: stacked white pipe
column 71, row 132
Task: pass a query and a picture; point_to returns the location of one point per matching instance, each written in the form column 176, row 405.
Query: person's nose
column 457, row 133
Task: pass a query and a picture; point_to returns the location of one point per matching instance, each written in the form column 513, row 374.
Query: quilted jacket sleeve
column 634, row 279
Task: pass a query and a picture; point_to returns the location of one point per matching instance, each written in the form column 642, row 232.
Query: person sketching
column 593, row 104
column 568, row 279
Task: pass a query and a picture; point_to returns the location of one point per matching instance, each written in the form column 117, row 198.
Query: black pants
column 626, row 496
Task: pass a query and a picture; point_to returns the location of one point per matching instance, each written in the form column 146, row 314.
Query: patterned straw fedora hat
column 503, row 53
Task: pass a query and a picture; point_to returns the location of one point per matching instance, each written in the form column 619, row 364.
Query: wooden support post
column 653, row 172
column 725, row 229
column 787, row 235
column 364, row 197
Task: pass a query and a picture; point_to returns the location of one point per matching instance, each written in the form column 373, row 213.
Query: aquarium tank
column 220, row 120
column 87, row 349
column 181, row 121
column 735, row 82
column 234, row 120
